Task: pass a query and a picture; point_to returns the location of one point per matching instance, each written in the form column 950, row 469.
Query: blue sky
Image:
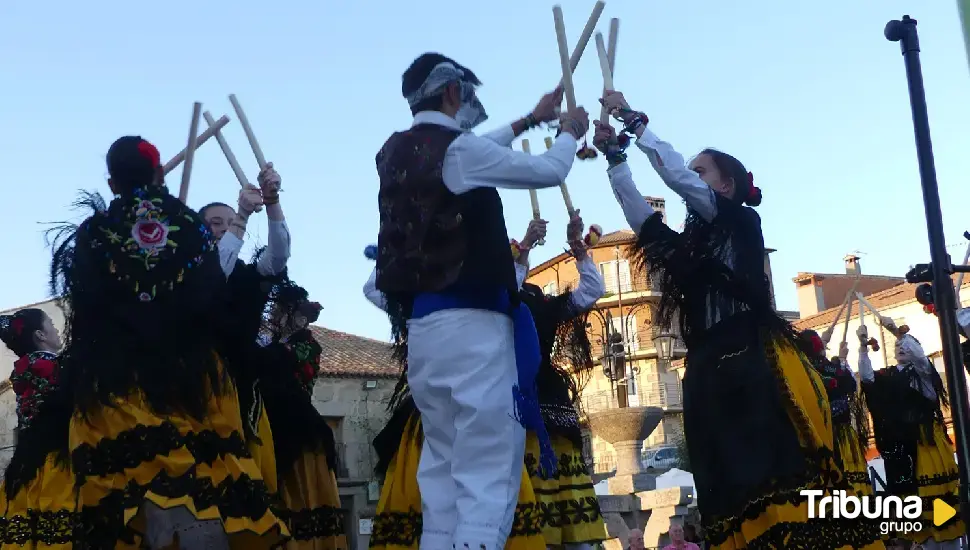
column 809, row 95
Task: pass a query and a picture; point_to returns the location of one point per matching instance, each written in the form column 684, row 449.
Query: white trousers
column 461, row 371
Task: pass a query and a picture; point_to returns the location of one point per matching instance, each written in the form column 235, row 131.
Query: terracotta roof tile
column 897, row 295
column 351, row 356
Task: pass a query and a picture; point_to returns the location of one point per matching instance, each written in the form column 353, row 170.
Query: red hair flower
column 18, row 326
column 930, row 308
column 832, row 383
column 151, row 153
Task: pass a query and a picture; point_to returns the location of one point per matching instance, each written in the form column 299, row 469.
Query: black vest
column 430, row 238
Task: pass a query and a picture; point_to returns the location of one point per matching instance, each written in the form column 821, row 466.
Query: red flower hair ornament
column 151, row 153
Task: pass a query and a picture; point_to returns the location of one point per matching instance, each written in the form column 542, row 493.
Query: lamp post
column 664, row 343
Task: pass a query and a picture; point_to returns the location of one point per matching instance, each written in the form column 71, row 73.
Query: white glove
column 863, row 333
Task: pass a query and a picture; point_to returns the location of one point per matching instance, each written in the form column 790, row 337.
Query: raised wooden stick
column 827, row 335
column 611, row 55
column 233, row 163
column 584, row 38
column 848, row 315
column 203, row 137
column 260, row 159
column 607, row 74
column 533, row 195
column 959, row 283
column 190, row 151
column 567, row 85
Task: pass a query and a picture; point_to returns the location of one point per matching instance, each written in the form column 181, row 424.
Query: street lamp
column 664, row 343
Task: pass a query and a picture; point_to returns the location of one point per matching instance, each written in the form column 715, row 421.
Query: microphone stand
column 904, row 32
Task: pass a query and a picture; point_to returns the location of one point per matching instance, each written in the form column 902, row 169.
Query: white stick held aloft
column 203, row 137
column 260, row 159
column 233, row 163
column 584, row 37
column 190, row 151
column 611, row 55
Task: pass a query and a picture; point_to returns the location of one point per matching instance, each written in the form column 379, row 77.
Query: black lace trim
column 404, row 528
column 814, row 535
column 573, row 511
column 143, row 443
column 103, row 526
column 42, row 527
column 569, row 465
column 314, row 523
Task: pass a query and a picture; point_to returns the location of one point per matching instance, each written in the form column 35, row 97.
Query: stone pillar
column 628, row 457
column 626, row 428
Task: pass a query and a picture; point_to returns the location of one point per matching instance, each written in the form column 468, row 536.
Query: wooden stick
column 203, row 137
column 567, row 84
column 848, row 315
column 233, row 163
column 562, row 186
column 584, row 38
column 611, row 56
column 607, row 74
column 260, row 159
column 848, row 300
column 190, row 151
column 533, row 195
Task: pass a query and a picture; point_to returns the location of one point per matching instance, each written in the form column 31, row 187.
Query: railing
column 638, row 283
column 667, row 396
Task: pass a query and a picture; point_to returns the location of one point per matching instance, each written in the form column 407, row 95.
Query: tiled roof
column 895, row 296
column 350, row 356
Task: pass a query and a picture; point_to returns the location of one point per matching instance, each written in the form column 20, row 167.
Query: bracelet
column 575, row 127
column 530, row 121
column 635, row 124
column 271, row 199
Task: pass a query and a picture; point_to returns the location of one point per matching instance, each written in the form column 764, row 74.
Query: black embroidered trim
column 404, row 528
column 938, row 479
column 397, row 529
column 856, row 478
column 43, row 527
column 132, row 447
column 569, row 465
column 102, row 526
column 314, row 523
column 831, row 533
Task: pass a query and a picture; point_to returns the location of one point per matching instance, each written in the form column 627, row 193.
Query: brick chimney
column 852, row 266
column 659, row 205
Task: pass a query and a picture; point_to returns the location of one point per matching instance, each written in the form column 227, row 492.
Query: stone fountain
column 625, row 429
column 633, row 500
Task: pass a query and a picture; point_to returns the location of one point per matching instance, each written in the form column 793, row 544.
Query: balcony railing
column 667, row 396
column 637, row 283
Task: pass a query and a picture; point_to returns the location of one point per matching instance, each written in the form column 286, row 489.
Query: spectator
column 634, row 540
column 678, row 541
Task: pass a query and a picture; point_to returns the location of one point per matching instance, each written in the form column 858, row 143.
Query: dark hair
column 17, row 330
column 133, row 163
column 730, row 167
column 418, row 72
column 205, row 208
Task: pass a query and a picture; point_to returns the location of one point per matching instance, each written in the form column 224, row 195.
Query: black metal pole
column 904, row 32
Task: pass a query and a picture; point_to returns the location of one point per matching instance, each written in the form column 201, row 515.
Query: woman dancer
column 906, row 401
column 156, row 437
column 306, row 452
column 38, row 488
column 756, row 415
column 249, row 286
column 570, row 509
column 850, row 419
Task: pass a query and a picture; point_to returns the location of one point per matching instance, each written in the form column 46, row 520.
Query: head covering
column 471, row 113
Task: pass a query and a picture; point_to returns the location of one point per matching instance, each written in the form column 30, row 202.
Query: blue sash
column 527, row 354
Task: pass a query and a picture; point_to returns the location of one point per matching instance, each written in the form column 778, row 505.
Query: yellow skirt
column 397, row 525
column 780, row 519
column 126, row 457
column 567, row 502
column 855, row 469
column 312, row 505
column 937, row 477
column 264, row 452
column 42, row 513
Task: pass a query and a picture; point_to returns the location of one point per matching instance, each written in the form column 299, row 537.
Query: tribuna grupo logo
column 895, row 514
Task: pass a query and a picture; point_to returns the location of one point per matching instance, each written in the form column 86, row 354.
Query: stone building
column 356, row 378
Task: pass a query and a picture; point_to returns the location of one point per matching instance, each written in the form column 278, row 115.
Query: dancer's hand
column 863, row 333
column 615, row 103
column 250, row 200
column 534, row 233
column 269, row 180
column 603, row 136
column 844, row 351
column 575, row 122
column 548, row 107
column 574, row 229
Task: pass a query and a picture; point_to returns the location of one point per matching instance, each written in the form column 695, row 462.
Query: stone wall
column 8, row 422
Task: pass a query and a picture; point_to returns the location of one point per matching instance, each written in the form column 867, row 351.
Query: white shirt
column 271, row 262
column 488, row 161
column 918, row 360
column 589, row 290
